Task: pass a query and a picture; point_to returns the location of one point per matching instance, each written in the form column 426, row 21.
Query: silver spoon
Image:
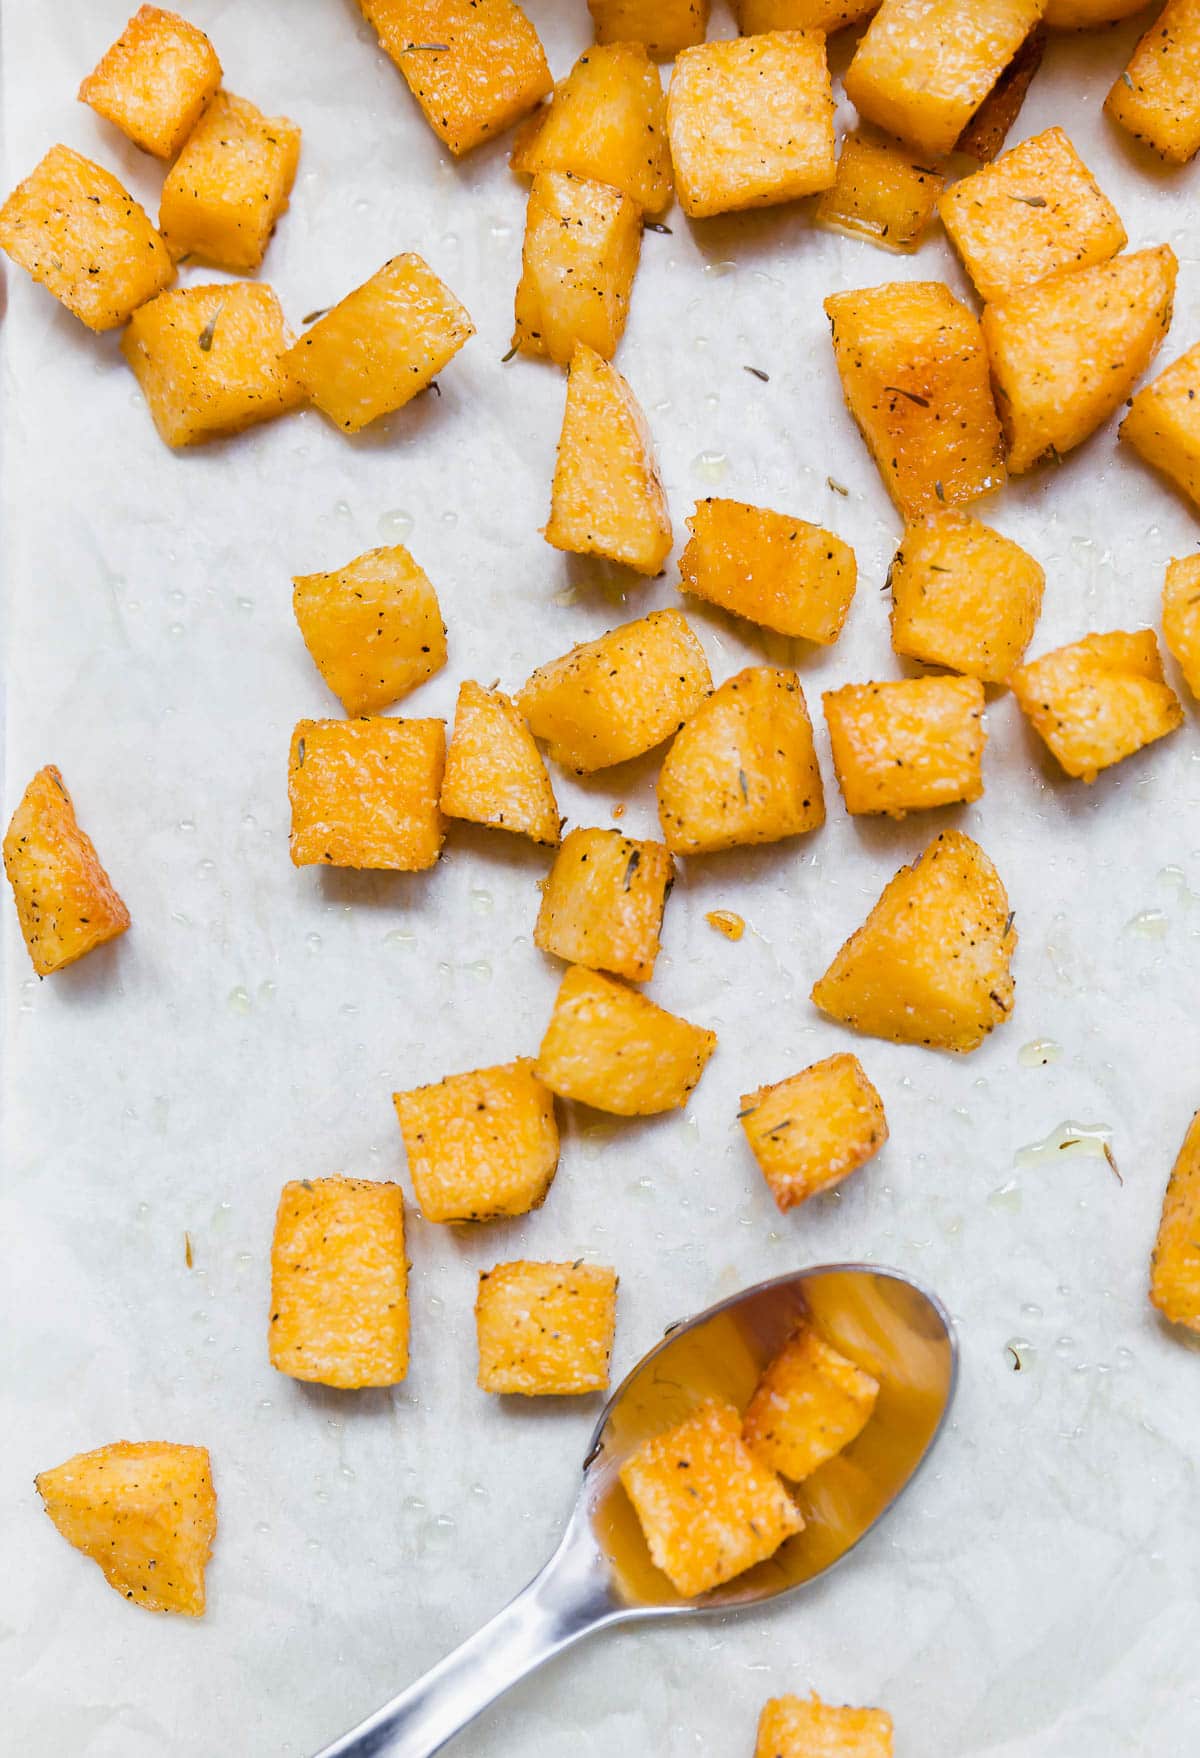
column 601, row 1572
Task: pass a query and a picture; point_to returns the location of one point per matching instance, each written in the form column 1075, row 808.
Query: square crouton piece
column 474, row 66
column 804, row 1727
column 800, row 15
column 78, row 233
column 907, row 745
column 811, row 1402
column 210, row 360
column 1033, row 213
column 1181, row 617
column 66, row 902
column 603, row 902
column 743, row 769
column 364, row 793
column 1175, row 1267
column 545, row 1330
column 607, row 497
column 1163, row 423
column 1157, row 98
column 1066, row 352
column 750, row 121
column 613, row 698
column 1098, row 700
column 581, row 250
column 963, row 596
column 814, row 1129
column 924, row 67
column 494, row 771
column 154, row 82
column 610, row 1047
column 339, row 1283
column 482, row 1144
column 664, row 27
column 374, row 628
column 709, row 1510
column 607, row 120
column 914, row 375
column 931, row 963
column 880, row 194
column 224, row 195
column 380, row 345
column 146, row 1512
column 779, row 572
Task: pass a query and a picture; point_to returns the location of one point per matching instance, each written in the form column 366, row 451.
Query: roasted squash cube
column 607, row 497
column 374, row 628
column 339, row 1283
column 1175, row 1266
column 582, row 244
column 880, row 194
column 1066, row 352
column 225, row 193
column 1080, row 15
column 804, row 1727
column 609, row 1047
column 146, row 1512
column 480, row 1145
column 78, row 233
column 606, row 120
column 814, row 1129
column 907, row 745
column 1163, row 423
column 810, row 1403
column 930, row 965
column 494, row 771
column 779, row 572
column 1035, row 212
column 743, row 769
column 1181, row 617
column 800, row 15
column 1157, row 98
column 364, row 793
column 609, row 700
column 988, row 128
column 155, row 80
column 603, row 902
column 963, row 596
column 474, row 66
column 66, row 903
column 664, row 27
column 381, row 344
column 915, row 377
column 708, row 1508
column 750, row 121
column 545, row 1329
column 924, row 67
column 1098, row 700
column 210, row 360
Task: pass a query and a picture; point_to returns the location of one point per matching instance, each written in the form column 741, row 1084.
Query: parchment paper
column 1037, row 1593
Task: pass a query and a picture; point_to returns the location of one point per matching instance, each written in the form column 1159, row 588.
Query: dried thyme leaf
column 757, row 372
column 899, row 391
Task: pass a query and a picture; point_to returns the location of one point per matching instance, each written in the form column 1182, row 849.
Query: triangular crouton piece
column 494, row 771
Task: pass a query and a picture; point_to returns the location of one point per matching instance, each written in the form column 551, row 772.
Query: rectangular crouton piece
column 66, row 902
column 814, row 1129
column 907, row 745
column 664, row 27
column 610, row 1047
column 708, row 1508
column 1157, row 98
column 224, row 195
column 545, row 1330
column 606, row 120
column 374, row 628
column 804, row 1727
column 1175, row 1268
column 364, row 793
column 750, row 121
column 811, row 1402
column 779, row 572
column 1097, row 701
column 480, row 1145
column 1163, row 423
column 494, row 771
column 1181, row 617
column 155, row 80
column 603, row 902
column 880, row 194
column 581, row 250
column 963, row 596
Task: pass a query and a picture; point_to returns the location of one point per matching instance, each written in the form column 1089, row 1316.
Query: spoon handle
column 567, row 1600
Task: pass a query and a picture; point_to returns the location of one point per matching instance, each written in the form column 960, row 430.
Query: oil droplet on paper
column 710, row 466
column 395, row 526
column 1039, row 1053
column 1020, row 1354
column 1090, row 1141
column 239, row 1000
column 481, row 901
column 716, row 271
column 401, row 938
column 1149, row 924
column 1006, row 1199
column 481, row 970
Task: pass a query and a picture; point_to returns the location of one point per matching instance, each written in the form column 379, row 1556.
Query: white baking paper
column 1036, row 1595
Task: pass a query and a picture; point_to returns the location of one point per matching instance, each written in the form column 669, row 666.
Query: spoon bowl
column 602, row 1573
